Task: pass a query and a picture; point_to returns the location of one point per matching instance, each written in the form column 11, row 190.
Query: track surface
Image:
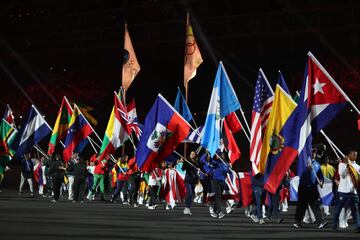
column 25, row 217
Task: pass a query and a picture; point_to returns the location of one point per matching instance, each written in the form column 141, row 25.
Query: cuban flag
column 223, row 101
column 320, row 101
column 32, row 132
column 164, row 130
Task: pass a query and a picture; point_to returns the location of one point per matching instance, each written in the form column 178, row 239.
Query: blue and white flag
column 32, row 132
column 195, row 135
column 223, row 101
column 181, row 106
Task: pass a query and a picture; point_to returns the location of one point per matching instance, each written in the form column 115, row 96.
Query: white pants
column 71, row 187
column 22, row 181
column 345, row 215
column 309, row 216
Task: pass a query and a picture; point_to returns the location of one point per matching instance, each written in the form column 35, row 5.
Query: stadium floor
column 25, row 217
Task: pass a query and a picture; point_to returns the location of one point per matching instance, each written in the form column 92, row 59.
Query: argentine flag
column 223, row 101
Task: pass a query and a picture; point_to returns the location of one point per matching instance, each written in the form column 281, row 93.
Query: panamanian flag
column 164, row 130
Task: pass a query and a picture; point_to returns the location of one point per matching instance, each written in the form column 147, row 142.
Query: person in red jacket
column 100, row 167
column 122, row 179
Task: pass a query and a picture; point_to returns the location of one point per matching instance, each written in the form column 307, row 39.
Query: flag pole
column 88, row 123
column 247, row 125
column 188, row 162
column 332, row 143
column 333, row 81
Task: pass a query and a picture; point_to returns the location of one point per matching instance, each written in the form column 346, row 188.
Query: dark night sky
column 74, row 48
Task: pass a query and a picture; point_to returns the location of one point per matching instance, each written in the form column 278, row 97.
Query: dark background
column 49, row 49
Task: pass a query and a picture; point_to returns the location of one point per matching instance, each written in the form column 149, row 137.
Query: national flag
column 82, row 145
column 319, row 102
column 195, row 135
column 79, row 129
column 85, row 110
column 32, row 132
column 358, row 124
column 233, row 149
column 7, row 134
column 61, row 124
column 246, row 188
column 9, row 116
column 134, row 124
column 326, row 192
column 273, row 142
column 294, row 186
column 282, row 83
column 115, row 134
column 131, row 65
column 233, row 123
column 164, row 130
column 38, row 174
column 223, row 101
column 193, row 57
column 174, row 187
column 181, row 106
column 263, row 101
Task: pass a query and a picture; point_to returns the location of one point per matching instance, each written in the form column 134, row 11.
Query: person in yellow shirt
column 329, row 172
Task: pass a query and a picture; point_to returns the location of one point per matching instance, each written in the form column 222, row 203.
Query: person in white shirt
column 349, row 172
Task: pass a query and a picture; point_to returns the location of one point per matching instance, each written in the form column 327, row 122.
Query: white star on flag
column 318, row 86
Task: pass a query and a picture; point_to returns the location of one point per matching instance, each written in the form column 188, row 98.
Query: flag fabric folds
column 263, row 101
column 233, row 123
column 79, row 129
column 131, row 65
column 273, row 142
column 32, row 132
column 181, row 106
column 61, row 124
column 193, row 57
column 233, row 149
column 9, row 116
column 134, row 124
column 7, row 134
column 115, row 134
column 282, row 83
column 195, row 135
column 174, row 187
column 223, row 101
column 319, row 102
column 164, row 130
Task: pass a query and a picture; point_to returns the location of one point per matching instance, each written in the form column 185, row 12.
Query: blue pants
column 189, row 194
column 259, row 195
column 354, row 204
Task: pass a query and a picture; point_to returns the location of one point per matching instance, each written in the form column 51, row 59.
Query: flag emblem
column 276, row 143
column 158, row 137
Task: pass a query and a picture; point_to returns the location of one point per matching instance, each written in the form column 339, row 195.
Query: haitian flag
column 319, row 102
column 164, row 130
column 79, row 129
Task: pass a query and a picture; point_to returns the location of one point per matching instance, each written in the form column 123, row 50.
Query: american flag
column 263, row 101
